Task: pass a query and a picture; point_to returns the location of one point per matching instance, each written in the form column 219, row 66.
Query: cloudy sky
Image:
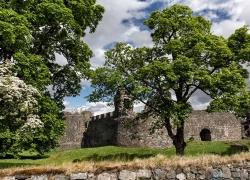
column 123, row 21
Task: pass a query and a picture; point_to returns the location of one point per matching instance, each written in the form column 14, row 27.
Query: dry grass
column 204, row 161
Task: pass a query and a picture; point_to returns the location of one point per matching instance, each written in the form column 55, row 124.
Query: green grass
column 126, row 154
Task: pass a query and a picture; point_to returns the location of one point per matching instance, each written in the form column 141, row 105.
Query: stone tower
column 123, row 103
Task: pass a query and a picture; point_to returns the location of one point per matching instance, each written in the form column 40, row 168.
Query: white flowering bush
column 19, row 110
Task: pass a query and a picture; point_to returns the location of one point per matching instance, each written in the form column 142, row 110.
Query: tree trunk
column 178, row 138
column 179, row 141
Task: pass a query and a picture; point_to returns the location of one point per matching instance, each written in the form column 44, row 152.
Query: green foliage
column 46, row 138
column 32, row 70
column 239, row 43
column 239, row 104
column 186, row 58
column 32, row 32
column 18, row 110
column 51, row 116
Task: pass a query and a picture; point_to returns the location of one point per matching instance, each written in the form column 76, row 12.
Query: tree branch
column 198, row 87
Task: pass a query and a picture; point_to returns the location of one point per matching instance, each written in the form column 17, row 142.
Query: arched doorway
column 205, row 135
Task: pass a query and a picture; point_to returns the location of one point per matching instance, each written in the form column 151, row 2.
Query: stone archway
column 205, row 135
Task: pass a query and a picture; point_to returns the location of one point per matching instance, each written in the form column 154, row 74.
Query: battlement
column 103, row 116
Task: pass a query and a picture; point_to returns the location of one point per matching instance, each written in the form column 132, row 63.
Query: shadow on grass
column 25, row 157
column 235, row 149
column 34, row 157
column 14, row 164
column 232, row 149
column 115, row 157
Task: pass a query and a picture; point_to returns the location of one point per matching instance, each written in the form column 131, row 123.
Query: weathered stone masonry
column 219, row 126
column 75, row 127
column 83, row 130
column 120, row 127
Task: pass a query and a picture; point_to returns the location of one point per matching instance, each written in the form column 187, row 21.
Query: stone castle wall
column 107, row 129
column 138, row 133
column 75, row 127
column 100, row 131
column 222, row 126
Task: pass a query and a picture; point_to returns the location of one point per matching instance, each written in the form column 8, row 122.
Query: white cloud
column 238, row 10
column 95, row 108
column 141, row 38
column 111, row 29
column 61, row 60
column 85, row 83
column 227, row 27
column 243, row 10
column 98, row 59
column 100, row 107
column 199, row 101
column 139, row 107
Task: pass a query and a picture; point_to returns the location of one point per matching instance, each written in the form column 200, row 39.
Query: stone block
column 91, row 176
column 236, row 174
column 61, row 177
column 214, row 174
column 127, row 175
column 190, row 175
column 160, row 174
column 144, row 174
column 22, row 176
column 78, row 176
column 193, row 170
column 244, row 174
column 186, row 169
column 226, row 172
column 107, row 176
column 8, row 178
column 181, row 176
column 202, row 177
column 39, row 177
column 171, row 174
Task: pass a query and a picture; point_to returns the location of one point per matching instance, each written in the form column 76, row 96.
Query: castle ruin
column 121, row 128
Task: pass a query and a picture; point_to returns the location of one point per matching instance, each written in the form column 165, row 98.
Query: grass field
column 111, row 153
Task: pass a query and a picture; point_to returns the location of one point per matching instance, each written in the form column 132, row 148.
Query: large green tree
column 32, row 33
column 186, row 58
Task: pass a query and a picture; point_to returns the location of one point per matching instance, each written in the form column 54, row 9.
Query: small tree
column 18, row 110
column 186, row 58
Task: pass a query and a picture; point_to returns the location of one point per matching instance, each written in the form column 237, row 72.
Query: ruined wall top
column 78, row 113
column 123, row 103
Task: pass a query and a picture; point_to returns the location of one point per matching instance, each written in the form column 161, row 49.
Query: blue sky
column 123, row 21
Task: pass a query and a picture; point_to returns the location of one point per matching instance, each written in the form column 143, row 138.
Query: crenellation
column 103, row 116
